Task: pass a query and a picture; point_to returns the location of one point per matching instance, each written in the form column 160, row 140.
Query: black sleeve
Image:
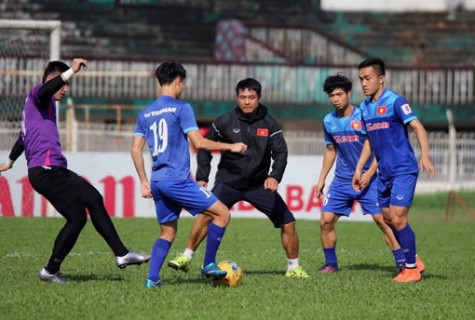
column 279, row 151
column 17, row 149
column 204, row 157
column 48, row 89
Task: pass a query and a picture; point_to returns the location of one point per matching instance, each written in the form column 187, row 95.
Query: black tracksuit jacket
column 264, row 139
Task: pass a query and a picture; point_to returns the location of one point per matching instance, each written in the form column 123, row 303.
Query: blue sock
column 395, row 234
column 159, row 253
column 215, row 234
column 400, row 258
column 407, row 240
column 330, row 256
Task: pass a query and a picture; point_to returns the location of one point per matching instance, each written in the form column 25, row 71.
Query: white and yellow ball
column 233, row 277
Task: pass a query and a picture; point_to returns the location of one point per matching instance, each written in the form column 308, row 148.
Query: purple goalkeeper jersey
column 39, row 132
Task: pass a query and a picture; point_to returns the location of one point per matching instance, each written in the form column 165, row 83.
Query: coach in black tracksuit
column 246, row 176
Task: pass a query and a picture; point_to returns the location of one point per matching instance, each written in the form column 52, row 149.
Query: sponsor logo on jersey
column 159, row 112
column 343, row 139
column 406, row 109
column 380, row 110
column 377, row 126
column 262, row 132
column 356, row 125
column 236, row 130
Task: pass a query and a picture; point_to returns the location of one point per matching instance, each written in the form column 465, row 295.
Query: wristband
column 67, row 74
column 9, row 163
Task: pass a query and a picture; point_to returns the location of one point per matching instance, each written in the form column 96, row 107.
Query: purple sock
column 159, row 253
column 407, row 240
column 330, row 257
column 215, row 234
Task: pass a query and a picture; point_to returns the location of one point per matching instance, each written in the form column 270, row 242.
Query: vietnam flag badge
column 356, row 125
column 262, row 132
column 380, row 110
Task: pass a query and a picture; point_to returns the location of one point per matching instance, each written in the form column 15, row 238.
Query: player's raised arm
column 365, row 154
column 328, row 159
column 424, row 162
column 199, row 142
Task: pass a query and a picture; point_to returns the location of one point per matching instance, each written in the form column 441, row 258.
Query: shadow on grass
column 196, row 280
column 371, row 267
column 93, row 277
column 202, row 280
column 391, row 269
column 264, row 272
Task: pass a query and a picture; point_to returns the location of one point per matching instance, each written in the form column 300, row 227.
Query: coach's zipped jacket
column 264, row 139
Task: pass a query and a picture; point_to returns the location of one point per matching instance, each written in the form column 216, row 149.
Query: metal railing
column 105, row 79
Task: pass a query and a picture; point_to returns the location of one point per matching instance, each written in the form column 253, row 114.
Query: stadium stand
column 150, row 30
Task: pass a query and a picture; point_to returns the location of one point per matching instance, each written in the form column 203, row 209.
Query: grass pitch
column 362, row 290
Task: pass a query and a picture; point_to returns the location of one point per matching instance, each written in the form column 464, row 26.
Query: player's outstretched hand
column 426, row 164
column 6, row 166
column 78, row 64
column 239, row 147
column 271, row 184
column 146, row 190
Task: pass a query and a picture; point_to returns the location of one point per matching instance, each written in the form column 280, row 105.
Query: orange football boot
column 408, row 275
column 420, row 265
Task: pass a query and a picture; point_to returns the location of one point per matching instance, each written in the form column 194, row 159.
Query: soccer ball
column 234, row 276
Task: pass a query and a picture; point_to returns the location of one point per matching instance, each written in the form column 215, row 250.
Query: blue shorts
column 397, row 191
column 340, row 197
column 171, row 196
column 268, row 202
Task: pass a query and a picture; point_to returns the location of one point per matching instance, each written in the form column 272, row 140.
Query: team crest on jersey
column 236, row 130
column 380, row 110
column 356, row 125
column 262, row 132
column 406, row 109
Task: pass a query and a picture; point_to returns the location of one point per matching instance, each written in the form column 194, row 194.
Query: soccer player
column 69, row 193
column 344, row 138
column 165, row 125
column 386, row 115
column 247, row 177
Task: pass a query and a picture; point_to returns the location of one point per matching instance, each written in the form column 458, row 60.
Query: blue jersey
column 385, row 122
column 348, row 135
column 165, row 124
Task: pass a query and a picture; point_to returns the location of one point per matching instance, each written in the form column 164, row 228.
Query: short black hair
column 338, row 81
column 250, row 84
column 168, row 71
column 53, row 67
column 376, row 63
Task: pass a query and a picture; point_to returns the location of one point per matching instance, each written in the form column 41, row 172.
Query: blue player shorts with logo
column 171, row 196
column 397, row 191
column 340, row 197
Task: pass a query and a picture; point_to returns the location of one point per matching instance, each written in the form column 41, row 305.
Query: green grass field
column 362, row 290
